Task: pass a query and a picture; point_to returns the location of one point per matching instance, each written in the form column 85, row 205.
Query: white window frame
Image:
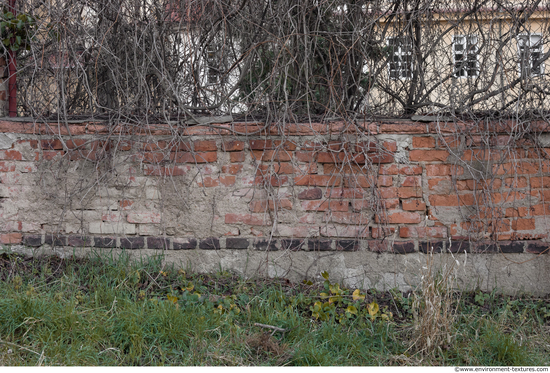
column 534, row 47
column 469, row 50
column 404, row 47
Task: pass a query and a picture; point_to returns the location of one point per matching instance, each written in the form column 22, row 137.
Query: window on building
column 530, row 55
column 465, row 56
column 400, row 64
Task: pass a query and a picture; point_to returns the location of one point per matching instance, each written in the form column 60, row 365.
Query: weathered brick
column 319, row 245
column 265, row 244
column 55, row 240
column 184, row 244
column 292, row 244
column 399, row 217
column 208, row 182
column 233, row 146
column 538, row 248
column 11, row 238
column 430, row 247
column 347, row 245
column 511, row 247
column 237, row 157
column 205, row 145
column 105, row 242
column 414, row 205
column 296, row 231
column 271, row 155
column 423, row 232
column 311, row 194
column 143, row 217
column 382, row 232
column 233, row 169
column 248, row 219
column 423, row 142
column 210, row 243
column 443, row 170
column 7, row 167
column 236, row 243
column 32, row 240
column 157, row 243
column 79, row 241
column 428, row 155
column 523, row 224
column 380, row 246
column 325, row 205
column 132, row 243
column 11, row 155
column 318, row 180
column 452, row 200
column 459, row 247
column 227, row 180
column 406, row 247
column 409, row 192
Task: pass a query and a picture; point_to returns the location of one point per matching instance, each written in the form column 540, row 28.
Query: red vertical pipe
column 12, row 65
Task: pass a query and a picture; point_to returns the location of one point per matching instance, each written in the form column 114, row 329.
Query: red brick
column 341, row 157
column 237, row 157
column 399, row 217
column 271, row 180
column 311, row 145
column 423, row 232
column 227, row 180
column 208, row 182
column 378, row 158
column 311, row 194
column 441, row 184
column 248, row 219
column 423, row 142
column 385, row 181
column 188, row 157
column 402, row 128
column 306, row 156
column 523, row 224
column 160, row 145
column 386, row 193
column 11, row 155
column 153, row 157
column 517, row 212
column 233, row 146
column 410, row 170
column 381, row 232
column 11, row 238
column 233, row 169
column 318, row 180
column 205, row 145
column 358, row 181
column 344, row 193
column 51, row 154
column 7, row 167
column 52, row 144
column 414, row 205
column 428, row 155
column 408, row 192
column 75, row 143
column 391, row 169
column 271, row 144
column 125, row 204
column 258, row 206
column 451, row 200
column 360, row 204
column 346, row 218
column 537, row 210
column 443, row 170
column 538, row 182
column 112, row 217
column 32, row 143
column 411, row 181
column 143, row 217
column 325, row 205
column 271, row 155
column 519, row 168
column 153, row 170
column 513, row 182
column 331, row 168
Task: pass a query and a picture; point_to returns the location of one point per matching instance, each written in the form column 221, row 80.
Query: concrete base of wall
column 507, row 273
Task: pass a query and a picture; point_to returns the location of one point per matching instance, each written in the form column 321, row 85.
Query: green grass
column 111, row 311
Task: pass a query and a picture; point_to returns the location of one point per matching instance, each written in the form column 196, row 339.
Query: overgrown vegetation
column 112, row 311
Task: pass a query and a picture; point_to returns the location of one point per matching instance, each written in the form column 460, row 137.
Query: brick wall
column 390, row 186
